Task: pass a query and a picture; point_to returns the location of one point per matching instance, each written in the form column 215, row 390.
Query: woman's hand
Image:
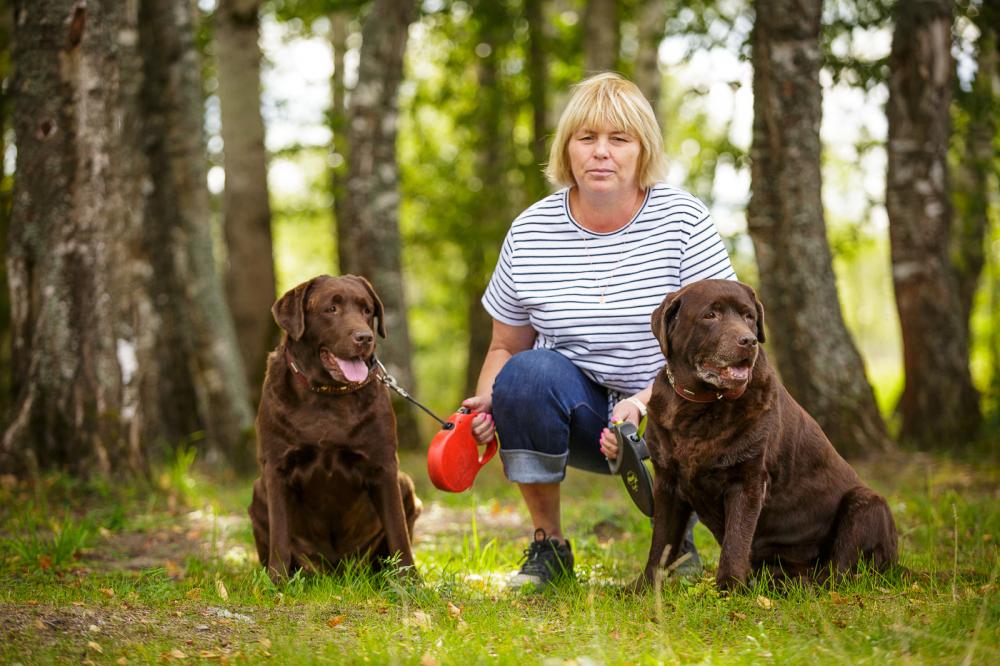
column 483, row 428
column 623, row 411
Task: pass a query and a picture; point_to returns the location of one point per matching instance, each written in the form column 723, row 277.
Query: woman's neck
column 604, row 212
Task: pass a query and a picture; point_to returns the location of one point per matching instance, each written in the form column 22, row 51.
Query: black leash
column 391, row 382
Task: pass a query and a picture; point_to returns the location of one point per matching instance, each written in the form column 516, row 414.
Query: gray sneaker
column 545, row 561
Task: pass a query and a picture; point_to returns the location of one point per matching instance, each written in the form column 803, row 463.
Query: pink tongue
column 355, row 370
column 735, row 372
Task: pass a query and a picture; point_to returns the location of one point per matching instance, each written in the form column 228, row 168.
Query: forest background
column 170, row 166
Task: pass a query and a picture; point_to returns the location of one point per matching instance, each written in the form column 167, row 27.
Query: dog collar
column 328, row 389
column 703, row 396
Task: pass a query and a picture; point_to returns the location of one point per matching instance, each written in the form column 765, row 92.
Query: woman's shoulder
column 666, row 197
column 549, row 208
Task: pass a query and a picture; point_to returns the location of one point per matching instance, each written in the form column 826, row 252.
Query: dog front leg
column 388, row 501
column 279, row 562
column 670, row 519
column 743, row 503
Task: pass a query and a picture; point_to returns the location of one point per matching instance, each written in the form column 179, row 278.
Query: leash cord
column 390, row 381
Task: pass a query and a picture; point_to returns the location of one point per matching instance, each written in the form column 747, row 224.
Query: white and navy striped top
column 590, row 295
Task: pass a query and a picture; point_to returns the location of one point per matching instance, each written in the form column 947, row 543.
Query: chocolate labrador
column 728, row 442
column 330, row 486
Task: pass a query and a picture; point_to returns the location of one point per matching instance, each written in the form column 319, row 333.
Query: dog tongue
column 739, row 373
column 355, row 369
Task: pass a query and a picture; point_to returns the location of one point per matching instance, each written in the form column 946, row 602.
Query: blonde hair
column 608, row 100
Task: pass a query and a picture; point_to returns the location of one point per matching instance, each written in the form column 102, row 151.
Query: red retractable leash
column 453, row 458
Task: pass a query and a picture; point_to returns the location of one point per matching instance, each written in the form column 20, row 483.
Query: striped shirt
column 589, row 296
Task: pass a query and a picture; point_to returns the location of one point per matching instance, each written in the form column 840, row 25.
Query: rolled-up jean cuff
column 523, row 466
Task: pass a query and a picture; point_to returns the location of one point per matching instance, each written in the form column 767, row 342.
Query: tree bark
column 246, row 211
column 75, row 268
column 369, row 230
column 817, row 358
column 204, row 362
column 939, row 406
column 338, row 129
column 601, row 36
column 6, row 28
column 652, row 23
column 534, row 14
column 976, row 162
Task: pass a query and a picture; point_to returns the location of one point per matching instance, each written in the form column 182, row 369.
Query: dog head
column 330, row 321
column 709, row 331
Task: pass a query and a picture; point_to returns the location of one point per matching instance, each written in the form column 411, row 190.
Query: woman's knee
column 528, row 377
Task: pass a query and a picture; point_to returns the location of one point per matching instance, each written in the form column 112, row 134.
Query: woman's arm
column 507, row 340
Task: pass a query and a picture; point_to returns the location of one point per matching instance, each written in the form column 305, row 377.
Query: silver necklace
column 601, row 299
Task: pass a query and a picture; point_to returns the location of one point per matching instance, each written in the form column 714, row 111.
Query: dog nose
column 363, row 337
column 747, row 341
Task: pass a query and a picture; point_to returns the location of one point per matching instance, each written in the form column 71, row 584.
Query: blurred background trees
column 175, row 166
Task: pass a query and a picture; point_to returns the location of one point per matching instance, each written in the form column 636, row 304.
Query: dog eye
column 332, row 309
column 710, row 314
column 368, row 311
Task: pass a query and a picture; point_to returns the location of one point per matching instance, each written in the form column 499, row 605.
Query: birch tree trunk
column 652, row 22
column 75, row 265
column 246, row 211
column 815, row 354
column 601, row 36
column 369, row 230
column 939, row 406
column 205, row 362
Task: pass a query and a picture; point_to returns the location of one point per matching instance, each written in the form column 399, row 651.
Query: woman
column 578, row 277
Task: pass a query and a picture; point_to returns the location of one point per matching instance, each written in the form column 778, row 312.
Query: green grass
column 169, row 574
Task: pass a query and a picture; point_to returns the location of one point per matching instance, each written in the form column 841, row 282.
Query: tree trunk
column 600, row 36
column 652, row 23
column 6, row 27
column 534, row 13
column 939, row 405
column 369, row 230
column 815, row 354
column 246, row 211
column 201, row 357
column 493, row 203
column 976, row 164
column 338, row 130
column 76, row 274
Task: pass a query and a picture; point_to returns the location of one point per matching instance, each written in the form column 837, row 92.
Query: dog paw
column 729, row 582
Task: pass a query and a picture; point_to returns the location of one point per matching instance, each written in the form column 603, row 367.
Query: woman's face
column 604, row 160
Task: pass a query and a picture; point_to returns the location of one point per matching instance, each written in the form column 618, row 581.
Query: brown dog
column 728, row 442
column 330, row 486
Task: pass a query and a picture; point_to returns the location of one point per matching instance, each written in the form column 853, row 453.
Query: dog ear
column 379, row 308
column 289, row 311
column 662, row 321
column 760, row 311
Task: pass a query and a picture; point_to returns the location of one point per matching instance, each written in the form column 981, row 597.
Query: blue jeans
column 548, row 414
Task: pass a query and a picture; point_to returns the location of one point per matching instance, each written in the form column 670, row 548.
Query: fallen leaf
column 44, row 562
column 121, row 661
column 39, row 624
column 421, row 619
column 987, row 538
column 172, row 569
column 92, row 628
column 32, row 602
column 736, row 615
column 266, row 643
column 428, row 660
column 209, row 654
column 838, row 599
column 335, row 620
column 220, row 587
column 193, row 593
column 78, row 603
column 95, row 647
column 177, row 654
column 454, row 610
column 107, row 591
column 104, row 532
column 764, row 602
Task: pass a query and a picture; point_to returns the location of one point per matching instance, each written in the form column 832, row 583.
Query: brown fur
column 330, row 486
column 756, row 468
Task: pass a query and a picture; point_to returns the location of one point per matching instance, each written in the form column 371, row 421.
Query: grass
column 137, row 575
